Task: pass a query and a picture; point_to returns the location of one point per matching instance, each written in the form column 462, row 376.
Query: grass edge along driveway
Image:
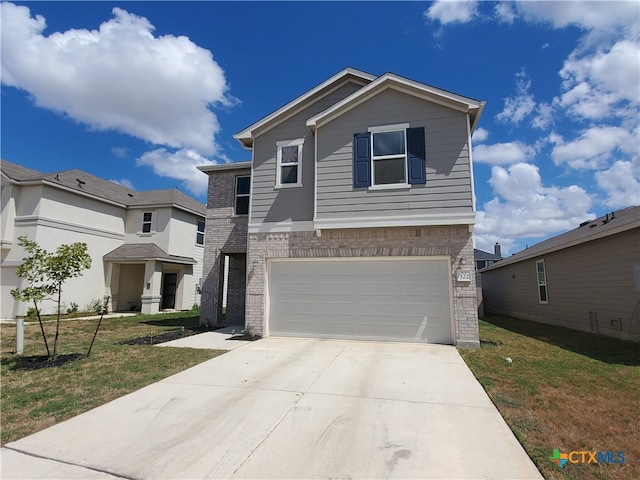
column 565, row 390
column 35, row 399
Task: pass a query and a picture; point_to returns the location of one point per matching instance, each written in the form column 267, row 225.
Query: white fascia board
column 246, row 136
column 397, row 221
column 389, row 80
column 289, row 226
column 224, row 166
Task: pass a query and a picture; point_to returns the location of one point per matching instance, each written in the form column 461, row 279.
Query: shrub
column 73, row 308
column 97, row 306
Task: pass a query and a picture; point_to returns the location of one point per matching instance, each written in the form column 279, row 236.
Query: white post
column 19, row 336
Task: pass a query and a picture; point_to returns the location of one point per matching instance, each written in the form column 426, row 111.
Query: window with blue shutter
column 361, row 160
column 416, row 156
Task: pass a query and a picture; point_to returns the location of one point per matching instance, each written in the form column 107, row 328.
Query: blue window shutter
column 417, row 158
column 361, row 160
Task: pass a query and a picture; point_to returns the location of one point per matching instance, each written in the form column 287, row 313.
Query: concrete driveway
column 289, row 408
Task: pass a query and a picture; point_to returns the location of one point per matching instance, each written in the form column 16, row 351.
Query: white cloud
column 120, row 77
column 123, row 182
column 181, row 165
column 120, row 152
column 606, row 17
column 452, row 11
column 544, row 116
column 594, row 148
column 603, row 83
column 480, row 135
column 519, row 105
column 621, row 182
column 524, row 208
column 506, row 12
column 503, row 153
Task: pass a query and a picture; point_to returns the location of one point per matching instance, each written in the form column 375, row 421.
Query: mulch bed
column 37, row 362
column 164, row 336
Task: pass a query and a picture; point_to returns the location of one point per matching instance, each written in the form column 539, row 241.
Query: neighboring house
column 481, row 260
column 353, row 218
column 146, row 247
column 586, row 279
column 484, row 259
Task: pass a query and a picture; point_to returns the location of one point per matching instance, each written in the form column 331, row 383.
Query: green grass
column 35, row 399
column 564, row 389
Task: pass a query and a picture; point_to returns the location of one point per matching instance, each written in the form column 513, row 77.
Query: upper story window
column 289, row 160
column 200, row 232
column 243, row 187
column 542, row 281
column 391, row 155
column 147, row 220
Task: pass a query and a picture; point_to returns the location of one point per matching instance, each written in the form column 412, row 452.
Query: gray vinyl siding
column 448, row 187
column 288, row 204
column 596, row 276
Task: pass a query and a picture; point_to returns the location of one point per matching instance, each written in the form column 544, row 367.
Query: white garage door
column 406, row 299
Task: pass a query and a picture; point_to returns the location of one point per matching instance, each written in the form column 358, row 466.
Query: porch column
column 151, row 295
column 112, row 281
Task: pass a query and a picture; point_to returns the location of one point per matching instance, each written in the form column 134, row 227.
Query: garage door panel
column 369, row 299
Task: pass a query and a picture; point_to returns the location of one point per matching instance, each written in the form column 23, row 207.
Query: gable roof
column 86, row 184
column 609, row 224
column 390, row 80
column 246, row 136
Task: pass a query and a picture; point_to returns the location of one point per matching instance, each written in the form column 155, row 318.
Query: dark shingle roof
column 85, row 183
column 143, row 252
column 482, row 255
column 609, row 224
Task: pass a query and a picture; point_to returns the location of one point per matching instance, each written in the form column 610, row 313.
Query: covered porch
column 144, row 278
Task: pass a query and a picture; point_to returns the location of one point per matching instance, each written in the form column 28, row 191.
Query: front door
column 169, row 286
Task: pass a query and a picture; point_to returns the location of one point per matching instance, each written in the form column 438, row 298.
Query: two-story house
column 146, row 247
column 353, row 218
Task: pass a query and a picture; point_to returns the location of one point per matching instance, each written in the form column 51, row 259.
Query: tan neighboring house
column 146, row 247
column 587, row 278
column 353, row 219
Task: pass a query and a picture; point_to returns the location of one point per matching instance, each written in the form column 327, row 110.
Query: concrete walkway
column 289, row 408
column 216, row 340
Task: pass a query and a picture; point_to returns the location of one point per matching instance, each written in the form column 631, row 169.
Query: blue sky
column 142, row 93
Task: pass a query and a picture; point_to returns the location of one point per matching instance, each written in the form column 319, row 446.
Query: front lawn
column 564, row 390
column 33, row 399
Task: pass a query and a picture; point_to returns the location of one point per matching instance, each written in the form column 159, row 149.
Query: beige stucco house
column 146, row 247
column 353, row 218
column 586, row 279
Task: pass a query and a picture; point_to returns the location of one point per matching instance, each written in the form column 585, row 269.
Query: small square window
column 289, row 160
column 243, row 188
column 146, row 222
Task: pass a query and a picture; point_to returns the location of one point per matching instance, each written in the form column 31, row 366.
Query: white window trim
column 236, row 195
column 544, row 283
column 150, row 222
column 389, row 128
column 299, row 142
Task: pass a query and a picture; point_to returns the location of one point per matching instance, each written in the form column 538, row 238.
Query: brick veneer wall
column 225, row 233
column 452, row 241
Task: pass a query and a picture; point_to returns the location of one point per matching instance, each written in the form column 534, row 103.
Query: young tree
column 33, row 270
column 48, row 273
